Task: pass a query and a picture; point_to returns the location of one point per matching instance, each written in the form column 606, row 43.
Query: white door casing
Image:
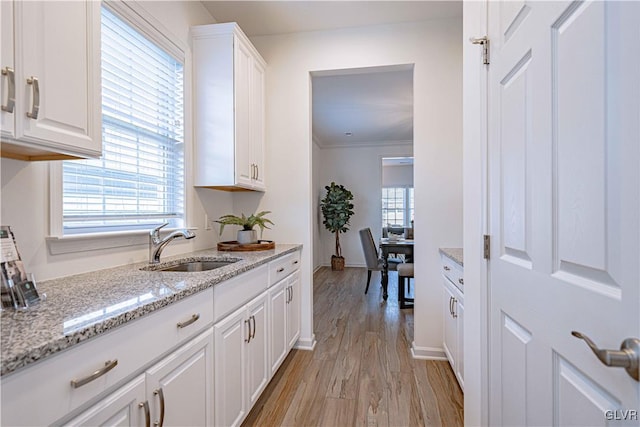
column 564, row 191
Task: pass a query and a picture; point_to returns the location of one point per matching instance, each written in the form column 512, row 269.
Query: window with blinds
column 139, row 181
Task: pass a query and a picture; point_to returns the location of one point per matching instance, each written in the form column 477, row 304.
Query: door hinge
column 487, row 246
column 484, row 41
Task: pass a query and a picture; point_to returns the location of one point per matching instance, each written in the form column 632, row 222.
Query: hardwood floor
column 361, row 372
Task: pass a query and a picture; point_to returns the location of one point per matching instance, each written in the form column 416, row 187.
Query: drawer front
column 235, row 292
column 452, row 271
column 283, row 266
column 47, row 384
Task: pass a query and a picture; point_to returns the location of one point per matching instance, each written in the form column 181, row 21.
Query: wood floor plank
column 361, row 372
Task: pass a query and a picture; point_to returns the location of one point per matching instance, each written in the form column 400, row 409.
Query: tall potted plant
column 337, row 209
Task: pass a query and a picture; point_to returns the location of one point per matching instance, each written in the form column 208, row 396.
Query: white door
column 7, row 112
column 564, row 94
column 278, row 297
column 242, row 82
column 293, row 310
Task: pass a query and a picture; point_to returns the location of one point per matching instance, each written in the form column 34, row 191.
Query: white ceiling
column 375, row 105
column 257, row 18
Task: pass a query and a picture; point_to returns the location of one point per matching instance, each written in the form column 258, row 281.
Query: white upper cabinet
column 51, row 65
column 229, row 109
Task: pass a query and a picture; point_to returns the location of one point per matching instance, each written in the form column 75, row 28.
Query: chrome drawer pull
column 186, row 323
column 295, row 262
column 461, row 281
column 446, row 268
column 108, row 365
column 280, row 270
column 159, row 393
column 36, row 98
column 147, row 415
column 11, row 88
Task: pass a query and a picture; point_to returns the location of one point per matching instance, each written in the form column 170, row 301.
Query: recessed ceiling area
column 363, row 107
column 258, row 18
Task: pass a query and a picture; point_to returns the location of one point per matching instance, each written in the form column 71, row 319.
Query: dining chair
column 405, row 272
column 372, row 258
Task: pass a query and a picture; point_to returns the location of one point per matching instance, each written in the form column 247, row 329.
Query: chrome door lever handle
column 627, row 357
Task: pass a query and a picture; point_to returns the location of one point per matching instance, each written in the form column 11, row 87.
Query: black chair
column 372, row 258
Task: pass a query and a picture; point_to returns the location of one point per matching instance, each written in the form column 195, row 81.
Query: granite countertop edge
column 454, row 254
column 26, row 353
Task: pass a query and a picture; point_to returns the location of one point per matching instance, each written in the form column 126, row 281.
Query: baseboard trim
column 308, row 344
column 427, row 353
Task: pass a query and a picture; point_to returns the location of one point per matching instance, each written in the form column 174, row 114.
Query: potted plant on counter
column 247, row 234
column 337, row 209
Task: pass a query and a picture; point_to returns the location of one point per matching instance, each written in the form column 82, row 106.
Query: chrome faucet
column 156, row 244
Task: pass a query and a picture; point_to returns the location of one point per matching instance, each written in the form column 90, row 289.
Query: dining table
column 393, row 246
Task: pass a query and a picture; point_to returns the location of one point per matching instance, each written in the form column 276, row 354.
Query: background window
column 397, row 206
column 139, row 181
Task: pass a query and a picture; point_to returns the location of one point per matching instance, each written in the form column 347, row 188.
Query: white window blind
column 139, row 181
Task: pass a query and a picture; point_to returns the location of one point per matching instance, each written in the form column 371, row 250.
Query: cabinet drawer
column 283, row 266
column 453, row 271
column 235, row 292
column 47, row 384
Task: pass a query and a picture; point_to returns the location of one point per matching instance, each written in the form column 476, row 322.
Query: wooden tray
column 234, row 246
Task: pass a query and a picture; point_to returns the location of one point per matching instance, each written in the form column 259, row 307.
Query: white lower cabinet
column 453, row 334
column 176, row 391
column 241, row 361
column 293, row 311
column 284, row 301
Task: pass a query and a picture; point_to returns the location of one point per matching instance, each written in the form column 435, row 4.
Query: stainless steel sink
column 196, row 266
column 192, row 265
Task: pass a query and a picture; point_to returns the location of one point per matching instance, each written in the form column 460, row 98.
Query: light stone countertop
column 453, row 253
column 83, row 306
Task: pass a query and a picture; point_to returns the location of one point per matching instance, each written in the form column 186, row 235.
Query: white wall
column 359, row 169
column 397, row 176
column 25, row 186
column 436, row 50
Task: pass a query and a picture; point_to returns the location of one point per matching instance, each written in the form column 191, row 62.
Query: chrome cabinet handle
column 446, row 268
column 257, row 172
column 461, row 281
column 160, row 394
column 453, row 308
column 11, row 86
column 450, row 304
column 108, row 365
column 253, row 320
column 35, row 108
column 627, row 357
column 194, row 318
column 147, row 414
column 248, row 323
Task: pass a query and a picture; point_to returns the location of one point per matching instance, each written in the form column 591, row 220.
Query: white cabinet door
column 450, row 343
column 278, row 314
column 57, row 60
column 459, row 370
column 7, row 113
column 242, row 76
column 230, row 404
column 257, row 364
column 124, row 408
column 179, row 386
column 256, row 124
column 293, row 310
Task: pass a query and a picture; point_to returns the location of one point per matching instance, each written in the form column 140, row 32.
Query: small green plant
column 246, row 222
column 337, row 209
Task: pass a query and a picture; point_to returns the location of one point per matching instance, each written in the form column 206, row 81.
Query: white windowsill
column 95, row 241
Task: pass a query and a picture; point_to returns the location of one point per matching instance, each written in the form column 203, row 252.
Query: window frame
column 154, row 30
column 407, row 204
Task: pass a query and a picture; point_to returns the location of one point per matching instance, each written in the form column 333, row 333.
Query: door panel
column 564, row 208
